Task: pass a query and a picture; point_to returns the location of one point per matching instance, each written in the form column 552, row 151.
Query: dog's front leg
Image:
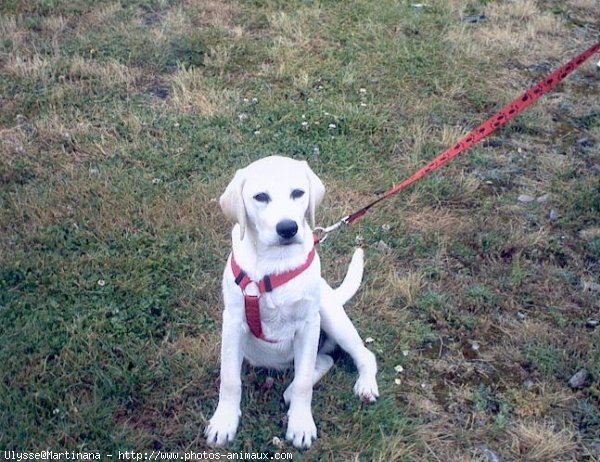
column 302, row 430
column 223, row 424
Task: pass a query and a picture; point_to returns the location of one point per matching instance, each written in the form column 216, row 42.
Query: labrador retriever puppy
column 276, row 303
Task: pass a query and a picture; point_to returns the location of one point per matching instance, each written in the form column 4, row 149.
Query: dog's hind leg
column 322, row 366
column 337, row 325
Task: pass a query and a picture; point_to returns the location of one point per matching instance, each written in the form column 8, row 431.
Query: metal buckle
column 324, row 232
column 255, row 288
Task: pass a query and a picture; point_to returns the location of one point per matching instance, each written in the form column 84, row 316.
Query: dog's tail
column 353, row 278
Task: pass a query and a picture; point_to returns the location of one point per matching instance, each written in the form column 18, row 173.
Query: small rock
column 585, row 142
column 592, row 323
column 277, row 442
column 489, row 455
column 521, row 316
column 528, row 383
column 543, row 199
column 525, row 198
column 269, row 383
column 553, row 215
column 475, row 18
column 589, row 286
column 383, row 247
column 579, row 380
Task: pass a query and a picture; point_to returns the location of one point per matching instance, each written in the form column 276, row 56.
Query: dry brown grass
column 511, row 27
column 193, row 94
column 542, row 441
column 34, row 67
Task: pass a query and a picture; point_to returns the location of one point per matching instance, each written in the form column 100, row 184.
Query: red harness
column 266, row 284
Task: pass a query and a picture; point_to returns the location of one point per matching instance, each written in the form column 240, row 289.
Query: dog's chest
column 286, row 306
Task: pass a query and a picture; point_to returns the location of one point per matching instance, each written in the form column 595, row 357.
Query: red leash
column 499, row 120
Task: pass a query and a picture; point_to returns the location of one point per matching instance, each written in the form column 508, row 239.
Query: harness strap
column 266, row 284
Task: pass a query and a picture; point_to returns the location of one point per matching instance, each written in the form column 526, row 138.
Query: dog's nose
column 287, row 229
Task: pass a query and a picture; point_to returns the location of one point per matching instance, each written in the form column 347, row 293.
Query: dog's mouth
column 287, row 242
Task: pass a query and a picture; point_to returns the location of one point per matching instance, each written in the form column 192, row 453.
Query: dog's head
column 275, row 197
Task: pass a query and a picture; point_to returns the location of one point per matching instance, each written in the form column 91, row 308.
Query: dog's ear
column 232, row 202
column 315, row 193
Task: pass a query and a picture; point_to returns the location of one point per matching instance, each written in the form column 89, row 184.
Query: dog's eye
column 262, row 197
column 297, row 193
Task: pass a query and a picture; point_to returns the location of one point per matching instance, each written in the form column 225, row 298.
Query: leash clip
column 322, row 233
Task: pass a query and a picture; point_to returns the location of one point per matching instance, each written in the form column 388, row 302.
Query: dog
column 277, row 306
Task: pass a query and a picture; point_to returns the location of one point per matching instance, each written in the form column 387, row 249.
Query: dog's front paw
column 366, row 389
column 222, row 426
column 301, row 430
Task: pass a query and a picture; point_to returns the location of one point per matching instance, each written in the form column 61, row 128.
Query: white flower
column 369, row 340
column 101, row 282
column 257, row 132
column 397, row 381
column 332, row 126
column 363, row 90
column 156, row 181
column 399, row 368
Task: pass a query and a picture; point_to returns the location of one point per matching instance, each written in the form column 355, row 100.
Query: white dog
column 273, row 261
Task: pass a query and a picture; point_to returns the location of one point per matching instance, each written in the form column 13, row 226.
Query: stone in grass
column 383, row 247
column 525, row 198
column 579, row 380
column 489, row 455
column 592, row 323
column 475, row 18
column 553, row 215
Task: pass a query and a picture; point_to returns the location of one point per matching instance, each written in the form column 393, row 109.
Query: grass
column 121, row 124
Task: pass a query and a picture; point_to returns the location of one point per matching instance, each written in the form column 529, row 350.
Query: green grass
column 121, row 124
